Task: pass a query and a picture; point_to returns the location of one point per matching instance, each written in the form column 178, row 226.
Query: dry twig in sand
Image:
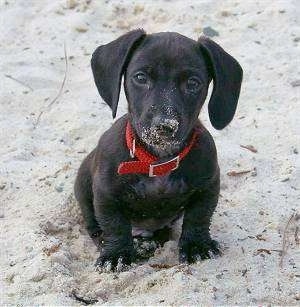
column 161, row 265
column 59, row 92
column 249, row 147
column 18, row 81
column 238, row 173
column 296, row 235
column 285, row 241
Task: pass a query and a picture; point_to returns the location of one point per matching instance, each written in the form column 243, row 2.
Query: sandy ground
column 46, row 254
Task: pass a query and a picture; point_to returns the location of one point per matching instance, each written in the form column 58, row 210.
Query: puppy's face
column 166, row 83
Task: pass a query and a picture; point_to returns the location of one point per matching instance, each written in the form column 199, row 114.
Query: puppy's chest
column 158, row 187
column 157, row 197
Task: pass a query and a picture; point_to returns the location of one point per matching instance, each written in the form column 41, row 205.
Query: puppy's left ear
column 227, row 75
column 108, row 64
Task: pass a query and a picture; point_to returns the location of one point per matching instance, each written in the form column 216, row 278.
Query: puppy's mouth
column 162, row 138
column 153, row 136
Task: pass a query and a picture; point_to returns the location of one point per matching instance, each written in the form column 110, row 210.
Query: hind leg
column 84, row 196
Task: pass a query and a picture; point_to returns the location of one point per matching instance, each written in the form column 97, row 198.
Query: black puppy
column 158, row 161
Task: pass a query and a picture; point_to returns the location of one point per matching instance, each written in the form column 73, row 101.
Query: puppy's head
column 166, row 78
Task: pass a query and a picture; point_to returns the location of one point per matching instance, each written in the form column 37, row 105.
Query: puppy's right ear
column 109, row 63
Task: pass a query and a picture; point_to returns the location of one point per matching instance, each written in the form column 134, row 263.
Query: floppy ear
column 227, row 75
column 108, row 65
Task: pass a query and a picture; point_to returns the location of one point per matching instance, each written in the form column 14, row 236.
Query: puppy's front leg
column 195, row 242
column 117, row 237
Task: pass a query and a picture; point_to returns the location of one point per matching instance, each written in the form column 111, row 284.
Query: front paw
column 193, row 250
column 114, row 258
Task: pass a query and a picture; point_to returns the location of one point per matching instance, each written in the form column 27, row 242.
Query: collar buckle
column 132, row 150
column 153, row 166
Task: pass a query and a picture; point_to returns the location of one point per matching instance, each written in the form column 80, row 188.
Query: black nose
column 165, row 127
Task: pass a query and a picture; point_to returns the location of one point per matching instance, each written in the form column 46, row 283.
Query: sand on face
column 46, row 254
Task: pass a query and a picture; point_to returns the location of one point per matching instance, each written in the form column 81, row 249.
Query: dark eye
column 140, row 78
column 193, row 84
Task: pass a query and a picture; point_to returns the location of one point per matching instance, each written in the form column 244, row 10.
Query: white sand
column 38, row 214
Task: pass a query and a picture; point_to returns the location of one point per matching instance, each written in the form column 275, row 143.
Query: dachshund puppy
column 157, row 162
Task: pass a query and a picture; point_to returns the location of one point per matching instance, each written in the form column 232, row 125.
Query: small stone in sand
column 59, row 188
column 81, row 28
column 10, row 278
column 225, row 13
column 50, row 227
column 295, row 83
column 71, row 4
column 138, row 9
column 208, row 31
column 37, row 276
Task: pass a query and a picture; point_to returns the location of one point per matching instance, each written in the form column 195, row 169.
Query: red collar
column 147, row 163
